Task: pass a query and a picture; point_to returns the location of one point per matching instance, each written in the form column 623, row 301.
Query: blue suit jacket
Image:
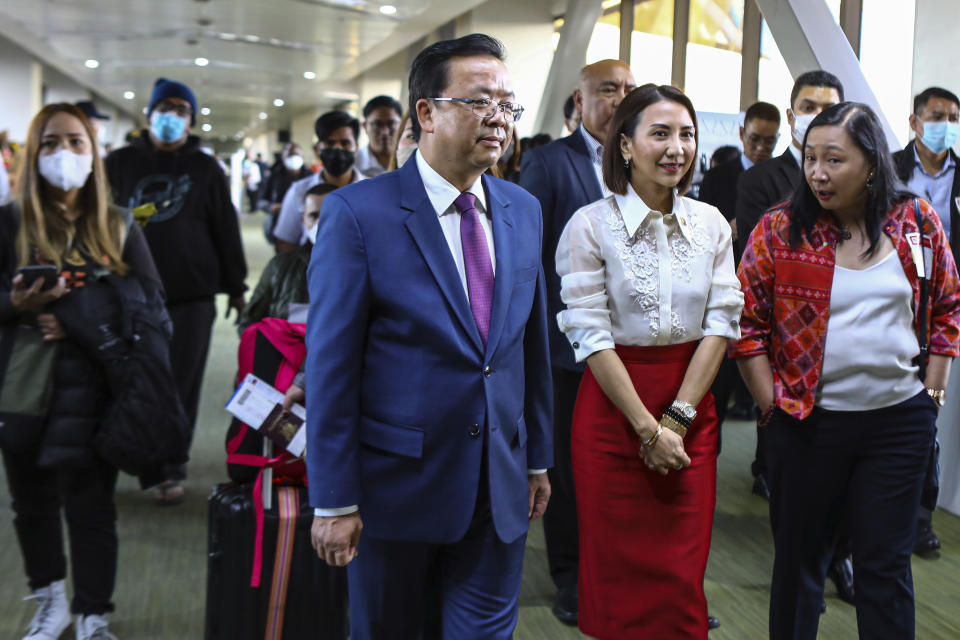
column 401, row 394
column 561, row 176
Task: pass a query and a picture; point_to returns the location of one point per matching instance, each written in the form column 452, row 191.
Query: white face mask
column 312, row 233
column 404, row 153
column 293, row 163
column 800, row 124
column 65, row 169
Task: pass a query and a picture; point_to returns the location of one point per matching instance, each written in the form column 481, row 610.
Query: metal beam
column 681, row 35
column 568, row 59
column 626, row 29
column 809, row 38
column 851, row 17
column 750, row 58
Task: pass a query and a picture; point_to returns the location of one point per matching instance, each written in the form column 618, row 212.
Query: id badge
column 917, row 252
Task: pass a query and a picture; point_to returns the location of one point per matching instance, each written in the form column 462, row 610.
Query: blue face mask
column 169, row 127
column 940, row 136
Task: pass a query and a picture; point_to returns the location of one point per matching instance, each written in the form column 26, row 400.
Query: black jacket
column 80, row 392
column 194, row 235
column 561, row 176
column 719, row 187
column 760, row 187
column 904, row 162
column 275, row 186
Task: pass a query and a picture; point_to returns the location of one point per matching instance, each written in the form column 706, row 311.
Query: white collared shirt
column 367, row 163
column 746, row 162
column 796, row 154
column 442, row 194
column 634, row 276
column 595, row 149
column 935, row 189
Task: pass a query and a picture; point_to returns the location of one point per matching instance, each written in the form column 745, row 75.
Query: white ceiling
column 258, row 50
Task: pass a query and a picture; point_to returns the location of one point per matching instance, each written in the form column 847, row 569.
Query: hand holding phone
column 30, row 291
column 49, row 273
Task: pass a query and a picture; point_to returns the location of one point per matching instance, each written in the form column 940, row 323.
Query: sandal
column 168, row 493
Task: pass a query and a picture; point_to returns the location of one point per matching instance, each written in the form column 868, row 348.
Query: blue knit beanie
column 164, row 88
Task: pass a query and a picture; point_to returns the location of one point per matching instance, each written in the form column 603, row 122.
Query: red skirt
column 644, row 538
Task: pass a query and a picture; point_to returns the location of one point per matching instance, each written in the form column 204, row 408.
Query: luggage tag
column 917, row 252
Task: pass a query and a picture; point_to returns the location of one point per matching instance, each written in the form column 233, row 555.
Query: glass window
column 714, row 55
column 774, row 83
column 651, row 43
column 605, row 41
column 886, row 58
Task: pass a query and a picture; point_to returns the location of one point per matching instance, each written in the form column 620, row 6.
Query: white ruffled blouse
column 634, row 276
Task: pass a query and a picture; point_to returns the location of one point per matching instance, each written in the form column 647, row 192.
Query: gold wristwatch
column 939, row 396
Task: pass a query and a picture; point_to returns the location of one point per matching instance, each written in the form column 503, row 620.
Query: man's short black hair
column 819, row 78
column 920, row 102
column 762, row 111
column 569, row 108
column 429, row 73
column 382, row 101
column 320, row 189
column 333, row 120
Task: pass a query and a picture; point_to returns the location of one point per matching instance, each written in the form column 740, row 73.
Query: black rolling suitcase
column 299, row 597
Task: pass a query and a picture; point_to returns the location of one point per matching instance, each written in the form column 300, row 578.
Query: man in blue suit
column 564, row 176
column 428, row 373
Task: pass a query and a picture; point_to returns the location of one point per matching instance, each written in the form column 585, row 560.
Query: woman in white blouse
column 652, row 298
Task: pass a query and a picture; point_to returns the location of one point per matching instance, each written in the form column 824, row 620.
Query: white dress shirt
column 442, row 195
column 633, row 276
column 367, row 163
column 596, row 157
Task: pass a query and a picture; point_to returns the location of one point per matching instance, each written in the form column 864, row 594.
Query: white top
column 5, row 195
column 289, row 227
column 367, row 163
column 633, row 276
column 859, row 375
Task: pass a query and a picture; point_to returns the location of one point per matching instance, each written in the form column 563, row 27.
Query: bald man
column 565, row 175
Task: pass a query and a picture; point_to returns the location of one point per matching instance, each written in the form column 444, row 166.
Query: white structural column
column 809, row 38
column 580, row 18
column 21, row 82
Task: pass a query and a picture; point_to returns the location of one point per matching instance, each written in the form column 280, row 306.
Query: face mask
column 168, row 127
column 404, row 154
column 940, row 136
column 800, row 124
column 312, row 233
column 65, row 169
column 293, row 163
column 336, row 162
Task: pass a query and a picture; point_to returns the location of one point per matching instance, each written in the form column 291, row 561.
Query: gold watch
column 939, row 396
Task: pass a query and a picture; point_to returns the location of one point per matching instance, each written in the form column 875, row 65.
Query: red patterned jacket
column 787, row 297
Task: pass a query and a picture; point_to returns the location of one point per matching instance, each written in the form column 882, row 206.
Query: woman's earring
column 870, row 181
column 626, row 162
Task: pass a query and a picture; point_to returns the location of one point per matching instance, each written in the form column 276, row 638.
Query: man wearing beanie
column 182, row 197
column 336, row 148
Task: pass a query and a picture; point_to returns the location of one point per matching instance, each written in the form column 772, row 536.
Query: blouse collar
column 634, row 211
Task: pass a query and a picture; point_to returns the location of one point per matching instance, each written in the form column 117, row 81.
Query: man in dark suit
column 565, row 175
column 928, row 166
column 759, row 133
column 760, row 188
column 427, row 372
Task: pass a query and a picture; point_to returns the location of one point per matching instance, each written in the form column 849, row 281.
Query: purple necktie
column 476, row 262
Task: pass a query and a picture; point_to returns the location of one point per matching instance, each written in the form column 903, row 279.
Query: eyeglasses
column 182, row 110
column 767, row 141
column 487, row 108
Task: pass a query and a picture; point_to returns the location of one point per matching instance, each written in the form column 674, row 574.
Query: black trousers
column 864, row 467
column 192, row 327
column 86, row 496
column 560, row 520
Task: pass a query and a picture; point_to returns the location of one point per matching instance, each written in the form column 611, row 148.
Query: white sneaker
column 93, row 628
column 53, row 612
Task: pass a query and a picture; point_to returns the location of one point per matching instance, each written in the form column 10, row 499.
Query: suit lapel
column 424, row 227
column 583, row 166
column 503, row 243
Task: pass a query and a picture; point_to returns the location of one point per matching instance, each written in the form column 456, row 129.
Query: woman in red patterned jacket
column 830, row 350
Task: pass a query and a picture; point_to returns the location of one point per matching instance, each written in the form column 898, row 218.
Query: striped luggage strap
column 288, row 506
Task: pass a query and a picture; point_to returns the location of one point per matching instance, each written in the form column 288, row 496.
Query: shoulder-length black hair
column 863, row 127
column 625, row 121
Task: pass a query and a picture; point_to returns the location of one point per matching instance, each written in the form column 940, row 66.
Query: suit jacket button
column 576, row 345
column 487, row 371
column 474, row 430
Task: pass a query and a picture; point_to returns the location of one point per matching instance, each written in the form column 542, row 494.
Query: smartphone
column 49, row 273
